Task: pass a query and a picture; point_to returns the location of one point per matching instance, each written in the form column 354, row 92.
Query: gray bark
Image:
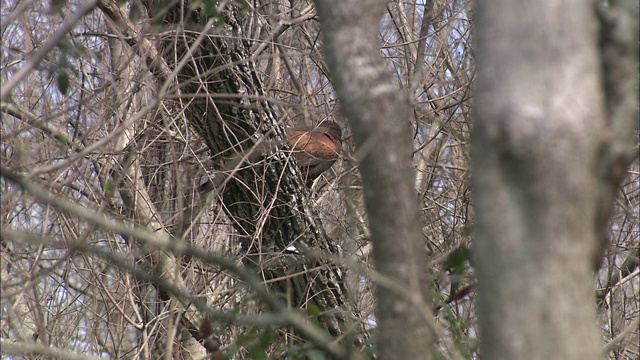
column 537, row 153
column 378, row 113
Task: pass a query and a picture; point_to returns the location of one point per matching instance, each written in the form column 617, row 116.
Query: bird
column 316, row 149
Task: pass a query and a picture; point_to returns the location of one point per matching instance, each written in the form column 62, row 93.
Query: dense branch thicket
column 139, row 104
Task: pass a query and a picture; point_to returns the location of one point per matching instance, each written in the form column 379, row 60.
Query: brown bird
column 315, row 149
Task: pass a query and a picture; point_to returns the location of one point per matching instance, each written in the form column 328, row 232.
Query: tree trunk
column 263, row 195
column 378, row 113
column 536, row 144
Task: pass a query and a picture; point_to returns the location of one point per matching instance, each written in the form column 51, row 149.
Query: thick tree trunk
column 537, row 136
column 378, row 113
column 263, row 195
